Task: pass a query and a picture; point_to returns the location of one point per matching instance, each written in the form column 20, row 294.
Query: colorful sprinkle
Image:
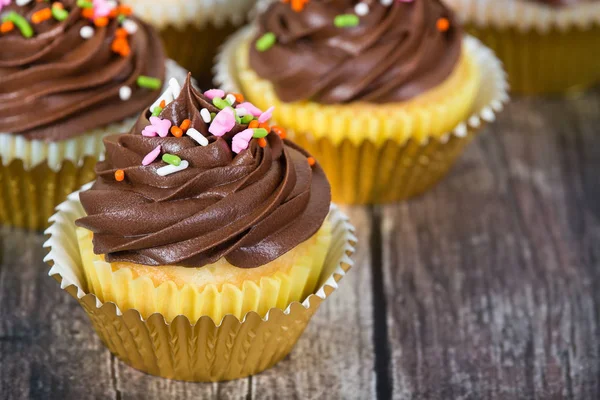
column 185, row 125
column 246, row 119
column 241, row 140
column 238, row 97
column 130, row 26
column 361, row 9
column 4, row 3
column 253, row 124
column 346, row 21
column 176, row 131
column 58, row 12
column 223, row 122
column 87, row 32
column 197, row 136
column 171, row 169
column 230, row 99
column 148, row 82
column 267, row 115
column 266, row 41
column 85, row 4
column 7, row 27
column 152, row 156
column 220, row 103
column 42, row 15
column 20, row 3
column 157, row 110
column 443, row 24
column 171, row 159
column 205, row 114
column 125, row 93
column 260, row 133
column 212, row 93
column 279, row 131
column 119, row 175
column 297, row 5
column 311, row 161
column 241, row 111
column 175, row 87
column 262, row 142
column 387, row 3
column 20, row 22
column 251, row 108
column 161, row 126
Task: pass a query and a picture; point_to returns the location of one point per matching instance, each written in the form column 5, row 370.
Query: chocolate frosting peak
column 249, row 208
column 394, row 53
column 57, row 84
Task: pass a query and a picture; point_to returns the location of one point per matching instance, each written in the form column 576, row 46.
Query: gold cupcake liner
column 372, row 166
column 556, row 61
column 28, row 196
column 202, row 350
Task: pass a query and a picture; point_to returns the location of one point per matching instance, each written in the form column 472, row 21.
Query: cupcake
column 204, row 230
column 193, row 30
column 548, row 46
column 70, row 72
column 385, row 94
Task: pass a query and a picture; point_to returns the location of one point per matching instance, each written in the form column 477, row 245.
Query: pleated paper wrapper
column 386, row 165
column 35, row 176
column 545, row 49
column 193, row 30
column 202, row 350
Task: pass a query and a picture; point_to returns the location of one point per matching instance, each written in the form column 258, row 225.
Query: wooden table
column 486, row 287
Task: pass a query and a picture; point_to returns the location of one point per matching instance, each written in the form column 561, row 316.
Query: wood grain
column 488, row 287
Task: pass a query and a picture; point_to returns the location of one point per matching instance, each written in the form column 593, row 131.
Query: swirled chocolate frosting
column 66, row 78
column 394, row 53
column 249, row 208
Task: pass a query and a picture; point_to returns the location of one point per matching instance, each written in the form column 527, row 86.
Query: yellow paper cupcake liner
column 259, row 291
column 28, row 196
column 556, row 61
column 204, row 349
column 394, row 152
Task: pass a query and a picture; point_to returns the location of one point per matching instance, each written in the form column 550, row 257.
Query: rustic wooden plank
column 492, row 278
column 47, row 346
column 334, row 358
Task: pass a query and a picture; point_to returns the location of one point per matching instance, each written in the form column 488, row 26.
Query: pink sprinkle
column 150, row 157
column 241, row 140
column 102, row 8
column 4, row 3
column 223, row 122
column 162, row 126
column 251, row 108
column 149, row 131
column 267, row 115
column 212, row 93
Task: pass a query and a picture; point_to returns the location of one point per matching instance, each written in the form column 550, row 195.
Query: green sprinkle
column 237, row 118
column 346, row 21
column 220, row 103
column 59, row 14
column 85, row 4
column 171, row 159
column 148, row 82
column 247, row 118
column 266, row 41
column 20, row 22
column 212, row 116
column 157, row 110
column 260, row 133
column 121, row 18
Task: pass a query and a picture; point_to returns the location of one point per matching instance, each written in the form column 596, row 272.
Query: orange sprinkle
column 238, row 97
column 176, row 131
column 262, row 142
column 311, row 161
column 279, row 131
column 7, row 27
column 125, row 10
column 120, row 175
column 265, row 125
column 58, row 5
column 163, row 104
column 42, row 15
column 113, row 13
column 121, row 33
column 88, row 13
column 101, row 22
column 118, row 44
column 443, row 24
column 185, row 125
column 253, row 124
column 297, row 5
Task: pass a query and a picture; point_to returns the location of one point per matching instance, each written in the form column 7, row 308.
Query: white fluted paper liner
column 525, row 15
column 66, row 262
column 490, row 100
column 179, row 13
column 89, row 144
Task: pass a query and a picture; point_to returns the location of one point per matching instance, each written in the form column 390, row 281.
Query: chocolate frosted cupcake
column 373, row 89
column 70, row 72
column 546, row 45
column 204, row 211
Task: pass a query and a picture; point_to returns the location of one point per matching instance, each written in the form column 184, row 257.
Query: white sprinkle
column 171, row 169
column 112, row 4
column 22, row 2
column 87, row 32
column 386, row 2
column 167, row 96
column 230, row 99
column 175, row 87
column 361, row 9
column 125, row 93
column 205, row 114
column 130, row 26
column 197, row 136
column 241, row 112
